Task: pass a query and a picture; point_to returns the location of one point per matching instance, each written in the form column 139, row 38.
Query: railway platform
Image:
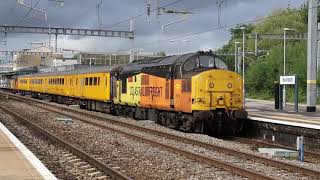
column 261, row 110
column 17, row 162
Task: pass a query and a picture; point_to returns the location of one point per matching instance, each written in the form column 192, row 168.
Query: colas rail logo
column 146, row 91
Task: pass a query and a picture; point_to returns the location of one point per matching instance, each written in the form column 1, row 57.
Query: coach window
column 98, row 81
column 87, row 81
column 76, row 81
column 62, row 81
column 95, row 81
column 90, row 81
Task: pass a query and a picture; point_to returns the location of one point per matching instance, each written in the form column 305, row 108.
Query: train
column 194, row 92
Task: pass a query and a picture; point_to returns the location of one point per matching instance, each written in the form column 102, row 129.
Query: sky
column 149, row 37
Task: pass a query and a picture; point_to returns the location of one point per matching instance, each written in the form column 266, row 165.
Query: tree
column 161, row 53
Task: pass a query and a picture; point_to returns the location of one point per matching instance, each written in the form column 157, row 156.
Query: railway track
column 73, row 155
column 223, row 165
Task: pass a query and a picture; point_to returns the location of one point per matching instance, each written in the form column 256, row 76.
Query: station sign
column 287, row 80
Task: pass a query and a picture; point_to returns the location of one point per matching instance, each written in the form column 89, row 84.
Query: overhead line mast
column 312, row 55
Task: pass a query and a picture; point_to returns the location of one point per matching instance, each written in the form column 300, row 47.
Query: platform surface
column 261, row 110
column 17, row 162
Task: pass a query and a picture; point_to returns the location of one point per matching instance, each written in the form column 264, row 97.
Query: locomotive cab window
column 190, row 64
column 212, row 62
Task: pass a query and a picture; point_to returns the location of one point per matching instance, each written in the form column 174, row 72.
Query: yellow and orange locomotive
column 193, row 92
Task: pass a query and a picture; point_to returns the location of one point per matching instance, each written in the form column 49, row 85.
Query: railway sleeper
column 216, row 123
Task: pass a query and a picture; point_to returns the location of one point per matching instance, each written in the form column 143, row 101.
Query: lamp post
column 235, row 55
column 284, row 63
column 138, row 51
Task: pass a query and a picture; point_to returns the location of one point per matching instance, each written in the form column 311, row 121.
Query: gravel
column 156, row 156
column 138, row 160
column 48, row 153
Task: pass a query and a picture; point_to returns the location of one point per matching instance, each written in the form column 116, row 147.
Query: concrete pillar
column 56, row 43
column 131, row 41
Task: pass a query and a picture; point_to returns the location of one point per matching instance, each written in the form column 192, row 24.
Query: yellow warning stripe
column 311, row 81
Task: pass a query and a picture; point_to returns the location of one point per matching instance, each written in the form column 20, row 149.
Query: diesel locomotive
column 192, row 92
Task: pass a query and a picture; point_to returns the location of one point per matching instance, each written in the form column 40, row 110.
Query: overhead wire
column 211, row 30
column 142, row 14
column 28, row 13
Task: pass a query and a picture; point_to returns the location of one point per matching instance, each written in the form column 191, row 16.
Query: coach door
column 45, row 85
column 82, row 86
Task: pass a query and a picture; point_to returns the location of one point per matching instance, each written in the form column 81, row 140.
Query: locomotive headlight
column 229, row 85
column 211, row 85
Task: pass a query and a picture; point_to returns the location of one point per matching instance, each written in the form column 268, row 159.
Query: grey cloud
column 82, row 14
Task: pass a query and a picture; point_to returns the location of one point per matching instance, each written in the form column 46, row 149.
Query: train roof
column 137, row 66
column 97, row 69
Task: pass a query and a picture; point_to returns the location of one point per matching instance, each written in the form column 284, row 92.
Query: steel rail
column 114, row 174
column 271, row 162
column 197, row 157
